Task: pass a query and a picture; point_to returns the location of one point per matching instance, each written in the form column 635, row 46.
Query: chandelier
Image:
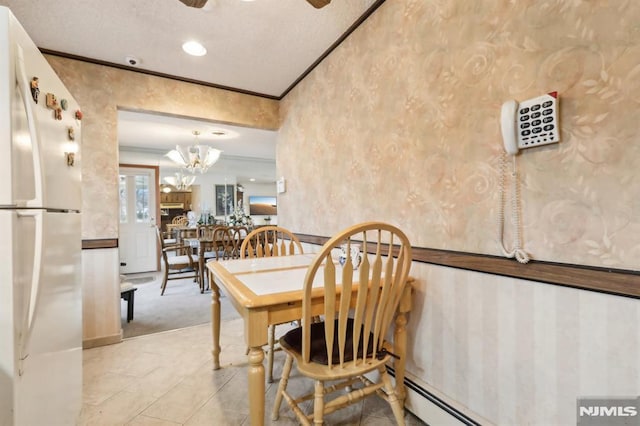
column 195, row 157
column 180, row 181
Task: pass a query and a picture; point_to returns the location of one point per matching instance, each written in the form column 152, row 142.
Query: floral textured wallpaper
column 102, row 90
column 402, row 123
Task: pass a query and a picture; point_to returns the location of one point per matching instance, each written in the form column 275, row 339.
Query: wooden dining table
column 268, row 291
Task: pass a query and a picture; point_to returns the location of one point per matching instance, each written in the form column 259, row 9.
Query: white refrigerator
column 40, row 242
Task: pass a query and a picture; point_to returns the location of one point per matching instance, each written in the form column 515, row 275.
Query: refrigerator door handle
column 32, row 294
column 23, row 84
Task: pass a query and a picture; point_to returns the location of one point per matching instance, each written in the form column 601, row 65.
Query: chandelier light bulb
column 195, row 157
column 180, row 181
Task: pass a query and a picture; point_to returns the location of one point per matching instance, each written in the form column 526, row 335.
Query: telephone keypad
column 537, row 119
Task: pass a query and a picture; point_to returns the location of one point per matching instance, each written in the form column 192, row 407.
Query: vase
column 356, row 258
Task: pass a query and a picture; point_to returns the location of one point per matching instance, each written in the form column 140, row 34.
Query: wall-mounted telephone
column 531, row 123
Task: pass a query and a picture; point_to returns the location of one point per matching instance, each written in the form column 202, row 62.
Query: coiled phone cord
column 518, row 252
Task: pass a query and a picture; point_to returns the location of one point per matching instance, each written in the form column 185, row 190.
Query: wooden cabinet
column 168, row 203
column 176, row 197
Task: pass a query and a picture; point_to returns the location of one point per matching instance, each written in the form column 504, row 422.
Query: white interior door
column 138, row 243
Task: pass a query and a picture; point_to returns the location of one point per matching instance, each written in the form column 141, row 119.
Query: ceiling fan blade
column 195, row 3
column 317, row 3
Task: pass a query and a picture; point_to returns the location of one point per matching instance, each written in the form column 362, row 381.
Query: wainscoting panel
column 100, row 297
column 516, row 351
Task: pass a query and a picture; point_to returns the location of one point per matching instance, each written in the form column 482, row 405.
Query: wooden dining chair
column 176, row 266
column 238, row 234
column 359, row 306
column 220, row 246
column 180, row 220
column 177, row 222
column 268, row 241
column 223, row 242
column 184, row 233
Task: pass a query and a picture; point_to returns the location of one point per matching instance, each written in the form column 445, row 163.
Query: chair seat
column 209, row 254
column 170, row 241
column 318, row 351
column 319, row 368
column 125, row 286
column 182, row 260
column 212, row 254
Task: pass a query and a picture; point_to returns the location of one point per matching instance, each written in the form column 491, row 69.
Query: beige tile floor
column 167, row 379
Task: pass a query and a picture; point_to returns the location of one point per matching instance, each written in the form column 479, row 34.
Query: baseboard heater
column 429, row 408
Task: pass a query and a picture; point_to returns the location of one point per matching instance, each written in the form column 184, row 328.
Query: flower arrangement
column 240, row 218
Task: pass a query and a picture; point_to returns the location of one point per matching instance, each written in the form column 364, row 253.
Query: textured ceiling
column 142, row 132
column 260, row 46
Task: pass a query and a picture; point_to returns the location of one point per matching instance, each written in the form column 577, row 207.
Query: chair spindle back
column 268, row 241
column 364, row 294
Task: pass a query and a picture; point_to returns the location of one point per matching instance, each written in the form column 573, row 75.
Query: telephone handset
column 531, row 123
column 508, row 126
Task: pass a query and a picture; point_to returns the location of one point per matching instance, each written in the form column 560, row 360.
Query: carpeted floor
column 181, row 306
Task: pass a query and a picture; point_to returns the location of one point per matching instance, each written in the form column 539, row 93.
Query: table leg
column 215, row 321
column 256, row 385
column 130, row 301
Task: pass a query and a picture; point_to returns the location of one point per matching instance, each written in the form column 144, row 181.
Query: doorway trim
column 157, row 191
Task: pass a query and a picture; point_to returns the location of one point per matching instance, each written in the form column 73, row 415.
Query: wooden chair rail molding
column 102, row 243
column 605, row 280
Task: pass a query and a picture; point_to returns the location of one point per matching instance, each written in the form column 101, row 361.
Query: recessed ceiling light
column 219, row 133
column 194, row 48
column 252, row 180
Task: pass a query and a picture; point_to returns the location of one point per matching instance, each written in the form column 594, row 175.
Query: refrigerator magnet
column 58, row 113
column 35, row 90
column 71, row 133
column 78, row 115
column 64, row 104
column 51, row 100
